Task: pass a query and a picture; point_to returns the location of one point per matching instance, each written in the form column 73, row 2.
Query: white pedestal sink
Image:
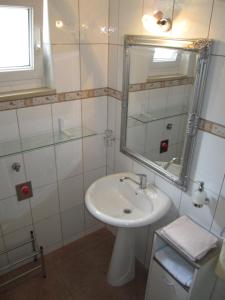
column 125, row 205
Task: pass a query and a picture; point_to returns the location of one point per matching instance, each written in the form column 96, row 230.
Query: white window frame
column 31, row 41
column 35, row 71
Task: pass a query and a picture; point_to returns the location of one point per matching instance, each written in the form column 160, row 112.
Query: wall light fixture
column 151, row 23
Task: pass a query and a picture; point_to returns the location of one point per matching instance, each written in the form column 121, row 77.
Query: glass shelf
column 159, row 115
column 43, row 140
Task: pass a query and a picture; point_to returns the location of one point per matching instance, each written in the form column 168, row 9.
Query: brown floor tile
column 77, row 272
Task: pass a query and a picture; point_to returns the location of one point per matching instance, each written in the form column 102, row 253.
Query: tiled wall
column 209, row 159
column 62, row 173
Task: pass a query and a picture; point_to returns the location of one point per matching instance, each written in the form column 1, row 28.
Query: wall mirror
column 163, row 86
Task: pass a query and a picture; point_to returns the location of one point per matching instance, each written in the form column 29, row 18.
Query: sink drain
column 127, row 211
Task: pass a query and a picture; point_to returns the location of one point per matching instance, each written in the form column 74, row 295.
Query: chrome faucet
column 169, row 163
column 142, row 183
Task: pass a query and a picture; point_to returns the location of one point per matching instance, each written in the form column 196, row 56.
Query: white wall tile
column 14, row 215
column 111, row 156
column 138, row 102
column 177, row 97
column 40, row 166
column 34, row 121
column 8, row 126
column 69, row 159
column 94, row 152
column 71, row 192
column 90, row 221
column 115, row 67
column 72, row 223
column 203, row 215
column 66, row 67
column 173, row 192
column 214, row 104
column 67, row 12
column 158, row 100
column 122, row 162
column 136, row 138
column 94, row 112
column 111, row 114
column 218, row 225
column 9, row 177
column 130, row 14
column 186, row 22
column 48, row 232
column 154, row 135
column 92, row 176
column 140, row 169
column 94, row 66
column 94, row 21
column 69, row 112
column 217, row 27
column 208, row 161
column 45, row 202
column 118, row 118
column 113, row 21
column 15, row 238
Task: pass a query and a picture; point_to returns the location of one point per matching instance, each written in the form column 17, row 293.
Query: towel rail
column 35, row 254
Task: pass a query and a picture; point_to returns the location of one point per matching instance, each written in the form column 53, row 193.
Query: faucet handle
column 143, row 180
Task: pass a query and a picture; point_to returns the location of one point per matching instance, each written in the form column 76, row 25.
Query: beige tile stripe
column 205, row 125
column 213, row 128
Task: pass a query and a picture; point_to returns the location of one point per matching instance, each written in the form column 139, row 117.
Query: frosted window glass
column 15, row 38
column 162, row 54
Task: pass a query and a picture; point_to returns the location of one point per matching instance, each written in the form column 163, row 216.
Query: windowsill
column 25, row 94
column 166, row 77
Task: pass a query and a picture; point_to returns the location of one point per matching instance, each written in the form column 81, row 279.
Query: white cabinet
column 164, row 287
column 165, row 283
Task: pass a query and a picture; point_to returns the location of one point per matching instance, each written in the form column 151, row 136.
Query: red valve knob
column 25, row 189
column 164, row 147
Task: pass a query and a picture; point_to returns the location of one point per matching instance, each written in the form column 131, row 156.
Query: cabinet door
column 163, row 286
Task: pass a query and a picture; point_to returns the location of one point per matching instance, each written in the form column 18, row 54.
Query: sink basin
column 124, row 205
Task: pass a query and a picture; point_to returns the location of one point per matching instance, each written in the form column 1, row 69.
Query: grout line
column 210, row 19
column 82, row 121
column 107, row 106
column 217, row 204
column 57, row 177
column 173, row 11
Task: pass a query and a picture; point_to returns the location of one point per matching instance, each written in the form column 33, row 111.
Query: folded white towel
column 175, row 265
column 191, row 238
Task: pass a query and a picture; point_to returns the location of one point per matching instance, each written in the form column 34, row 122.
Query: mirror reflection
column 161, row 83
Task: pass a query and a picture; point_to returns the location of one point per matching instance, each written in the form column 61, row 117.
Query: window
column 16, row 35
column 165, row 55
column 21, row 51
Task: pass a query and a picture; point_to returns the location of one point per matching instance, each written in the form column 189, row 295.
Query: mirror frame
column 199, row 46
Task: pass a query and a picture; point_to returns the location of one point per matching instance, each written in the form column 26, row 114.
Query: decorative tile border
column 157, row 84
column 77, row 95
column 212, row 127
column 115, row 94
column 205, row 125
column 84, row 94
